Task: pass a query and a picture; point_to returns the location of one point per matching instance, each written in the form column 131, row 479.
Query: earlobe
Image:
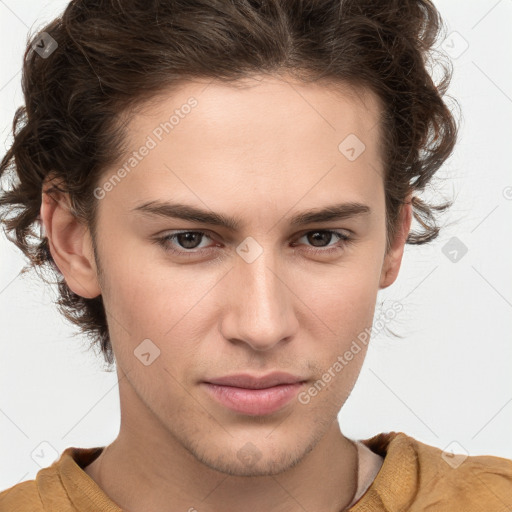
column 393, row 259
column 69, row 244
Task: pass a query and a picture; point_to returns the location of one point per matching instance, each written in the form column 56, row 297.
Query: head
column 254, row 113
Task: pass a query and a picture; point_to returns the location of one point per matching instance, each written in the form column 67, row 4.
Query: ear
column 393, row 258
column 70, row 243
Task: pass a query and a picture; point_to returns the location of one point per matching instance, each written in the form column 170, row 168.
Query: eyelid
column 344, row 240
column 346, row 231
column 213, row 235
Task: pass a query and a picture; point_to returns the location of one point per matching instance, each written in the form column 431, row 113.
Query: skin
column 261, row 153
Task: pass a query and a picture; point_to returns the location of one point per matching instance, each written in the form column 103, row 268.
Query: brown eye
column 183, row 242
column 321, row 238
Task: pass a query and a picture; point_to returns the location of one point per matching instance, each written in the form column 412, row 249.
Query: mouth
column 253, row 395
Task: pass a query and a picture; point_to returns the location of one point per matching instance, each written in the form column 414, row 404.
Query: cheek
column 343, row 298
column 169, row 305
column 339, row 317
column 162, row 301
column 143, row 291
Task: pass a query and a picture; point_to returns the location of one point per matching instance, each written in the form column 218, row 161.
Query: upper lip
column 245, row 380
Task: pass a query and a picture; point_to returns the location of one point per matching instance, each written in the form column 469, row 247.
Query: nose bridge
column 260, row 307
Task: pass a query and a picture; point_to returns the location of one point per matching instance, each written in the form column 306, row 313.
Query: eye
column 186, row 239
column 190, row 242
column 322, row 235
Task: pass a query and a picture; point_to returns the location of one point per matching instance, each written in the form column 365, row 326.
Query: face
column 261, row 295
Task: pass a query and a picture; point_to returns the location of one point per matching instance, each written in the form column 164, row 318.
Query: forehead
column 261, row 136
column 243, row 109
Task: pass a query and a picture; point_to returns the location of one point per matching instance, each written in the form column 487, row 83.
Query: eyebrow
column 190, row 213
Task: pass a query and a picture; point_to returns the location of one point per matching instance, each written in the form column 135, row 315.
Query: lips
column 253, row 395
column 247, row 381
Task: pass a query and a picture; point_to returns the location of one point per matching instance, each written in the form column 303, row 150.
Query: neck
column 139, row 471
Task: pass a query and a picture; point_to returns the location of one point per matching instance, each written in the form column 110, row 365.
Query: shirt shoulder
column 478, row 483
column 64, row 487
column 22, row 497
column 418, row 477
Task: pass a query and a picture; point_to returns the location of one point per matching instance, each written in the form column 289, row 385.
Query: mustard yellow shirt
column 413, row 477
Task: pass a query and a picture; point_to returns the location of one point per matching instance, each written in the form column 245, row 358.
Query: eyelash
column 164, row 242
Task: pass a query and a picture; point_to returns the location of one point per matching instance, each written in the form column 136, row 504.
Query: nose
column 259, row 307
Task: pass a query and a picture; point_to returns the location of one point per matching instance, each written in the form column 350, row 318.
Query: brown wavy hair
column 112, row 56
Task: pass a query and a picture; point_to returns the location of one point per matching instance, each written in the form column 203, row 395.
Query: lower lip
column 254, row 401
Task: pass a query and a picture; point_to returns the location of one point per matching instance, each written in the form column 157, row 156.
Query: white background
column 448, row 380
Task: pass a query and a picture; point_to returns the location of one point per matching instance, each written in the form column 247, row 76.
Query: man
column 236, row 260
